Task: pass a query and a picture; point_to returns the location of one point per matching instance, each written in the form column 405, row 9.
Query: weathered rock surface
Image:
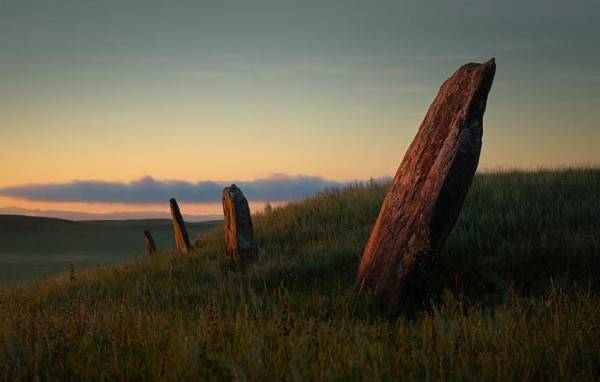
column 182, row 241
column 428, row 190
column 149, row 243
column 239, row 234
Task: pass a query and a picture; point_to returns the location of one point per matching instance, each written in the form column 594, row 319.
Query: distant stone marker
column 427, row 193
column 239, row 234
column 181, row 237
column 149, row 243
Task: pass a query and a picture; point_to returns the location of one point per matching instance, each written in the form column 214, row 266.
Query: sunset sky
column 115, row 105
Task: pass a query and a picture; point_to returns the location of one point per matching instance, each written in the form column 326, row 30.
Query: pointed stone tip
column 490, row 68
column 172, row 201
column 489, row 64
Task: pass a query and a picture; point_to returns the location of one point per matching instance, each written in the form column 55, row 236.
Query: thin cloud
column 147, row 190
column 311, row 66
column 583, row 77
column 324, row 67
column 397, row 89
column 207, row 74
column 510, row 47
column 441, row 57
column 522, row 46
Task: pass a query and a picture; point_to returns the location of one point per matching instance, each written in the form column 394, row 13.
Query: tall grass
column 514, row 296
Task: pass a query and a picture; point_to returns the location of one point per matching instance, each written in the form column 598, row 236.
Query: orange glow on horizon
column 105, row 208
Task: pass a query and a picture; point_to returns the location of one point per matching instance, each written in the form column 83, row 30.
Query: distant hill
column 34, row 247
column 78, row 215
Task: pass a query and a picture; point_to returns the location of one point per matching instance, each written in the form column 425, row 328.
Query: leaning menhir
column 181, row 237
column 428, row 190
column 239, row 235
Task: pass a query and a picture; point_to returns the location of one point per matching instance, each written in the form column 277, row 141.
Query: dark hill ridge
column 17, row 223
column 21, row 234
column 80, row 216
column 34, row 247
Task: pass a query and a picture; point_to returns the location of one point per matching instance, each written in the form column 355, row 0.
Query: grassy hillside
column 514, row 296
column 35, row 247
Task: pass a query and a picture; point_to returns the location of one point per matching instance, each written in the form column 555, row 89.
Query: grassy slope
column 35, row 247
column 515, row 295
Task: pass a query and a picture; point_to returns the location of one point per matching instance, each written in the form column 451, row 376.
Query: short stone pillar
column 239, row 234
column 149, row 243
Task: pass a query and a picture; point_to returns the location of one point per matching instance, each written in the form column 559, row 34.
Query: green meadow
column 514, row 295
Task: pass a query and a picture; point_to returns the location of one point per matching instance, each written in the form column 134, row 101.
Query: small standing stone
column 239, row 234
column 182, row 240
column 427, row 193
column 149, row 243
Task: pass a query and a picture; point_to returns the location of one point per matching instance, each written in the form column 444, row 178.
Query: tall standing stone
column 149, row 243
column 239, row 234
column 428, row 190
column 182, row 241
